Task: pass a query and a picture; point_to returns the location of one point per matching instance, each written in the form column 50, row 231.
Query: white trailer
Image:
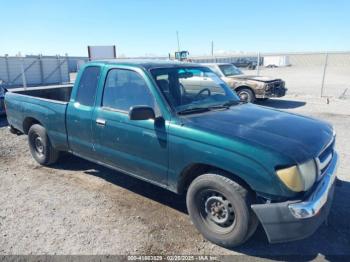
column 276, row 61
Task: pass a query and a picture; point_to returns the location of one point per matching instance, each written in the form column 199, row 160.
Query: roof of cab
column 145, row 63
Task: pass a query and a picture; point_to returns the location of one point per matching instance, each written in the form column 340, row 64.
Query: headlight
column 267, row 87
column 300, row 177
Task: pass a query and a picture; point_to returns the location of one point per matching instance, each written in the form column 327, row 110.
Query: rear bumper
column 293, row 220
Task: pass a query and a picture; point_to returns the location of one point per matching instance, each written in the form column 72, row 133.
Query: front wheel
column 246, row 95
column 220, row 210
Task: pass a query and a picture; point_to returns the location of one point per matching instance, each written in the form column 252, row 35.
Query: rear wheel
column 40, row 146
column 220, row 210
column 246, row 95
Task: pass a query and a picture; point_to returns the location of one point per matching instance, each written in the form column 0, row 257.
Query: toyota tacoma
column 238, row 164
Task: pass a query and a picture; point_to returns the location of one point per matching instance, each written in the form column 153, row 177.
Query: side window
column 124, row 89
column 88, row 86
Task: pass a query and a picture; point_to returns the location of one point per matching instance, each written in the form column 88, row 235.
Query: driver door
column 138, row 147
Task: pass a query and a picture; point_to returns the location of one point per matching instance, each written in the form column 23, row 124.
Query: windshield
column 189, row 88
column 230, row 70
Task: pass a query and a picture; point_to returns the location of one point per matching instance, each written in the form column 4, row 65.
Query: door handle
column 100, row 122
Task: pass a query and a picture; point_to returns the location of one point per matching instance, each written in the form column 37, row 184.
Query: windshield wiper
column 193, row 110
column 227, row 105
column 232, row 103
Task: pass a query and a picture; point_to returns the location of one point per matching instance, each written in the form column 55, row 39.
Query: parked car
column 249, row 87
column 2, row 97
column 239, row 164
column 244, row 62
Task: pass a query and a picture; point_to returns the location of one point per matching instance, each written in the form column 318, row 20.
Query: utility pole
column 212, row 48
column 178, row 41
column 258, row 64
column 324, row 74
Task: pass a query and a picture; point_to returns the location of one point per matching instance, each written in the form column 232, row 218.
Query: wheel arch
column 195, row 170
column 28, row 122
column 238, row 88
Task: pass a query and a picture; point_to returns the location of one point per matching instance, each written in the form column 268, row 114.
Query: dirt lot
column 77, row 207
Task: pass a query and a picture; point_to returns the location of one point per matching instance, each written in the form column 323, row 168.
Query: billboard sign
column 102, row 52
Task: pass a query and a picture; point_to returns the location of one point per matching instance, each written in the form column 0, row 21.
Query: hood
column 255, row 78
column 297, row 137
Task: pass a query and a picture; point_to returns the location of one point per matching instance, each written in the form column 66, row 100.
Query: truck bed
column 46, row 105
column 55, row 92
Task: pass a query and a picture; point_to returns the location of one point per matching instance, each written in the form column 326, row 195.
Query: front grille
column 325, row 157
column 276, row 88
column 276, row 84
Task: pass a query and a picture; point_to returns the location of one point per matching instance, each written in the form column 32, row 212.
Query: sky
column 148, row 27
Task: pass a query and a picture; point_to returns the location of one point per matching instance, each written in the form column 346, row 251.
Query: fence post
column 7, row 69
column 258, row 65
column 324, row 74
column 59, row 67
column 41, row 69
column 67, row 63
column 24, row 81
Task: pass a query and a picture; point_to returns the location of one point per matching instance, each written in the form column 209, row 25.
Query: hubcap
column 244, row 96
column 39, row 146
column 216, row 211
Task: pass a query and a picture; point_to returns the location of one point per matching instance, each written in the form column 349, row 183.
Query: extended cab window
column 124, row 89
column 88, row 86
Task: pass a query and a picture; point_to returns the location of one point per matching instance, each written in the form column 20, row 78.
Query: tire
column 229, row 226
column 246, row 95
column 40, row 146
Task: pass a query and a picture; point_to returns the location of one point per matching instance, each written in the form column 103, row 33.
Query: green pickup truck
column 239, row 164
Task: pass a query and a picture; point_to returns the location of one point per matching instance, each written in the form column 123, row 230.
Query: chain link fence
column 308, row 74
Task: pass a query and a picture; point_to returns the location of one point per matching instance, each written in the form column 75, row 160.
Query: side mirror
column 141, row 113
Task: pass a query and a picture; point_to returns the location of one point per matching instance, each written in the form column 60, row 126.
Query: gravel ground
column 77, row 207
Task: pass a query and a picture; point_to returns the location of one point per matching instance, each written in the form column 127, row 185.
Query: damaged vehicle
column 238, row 164
column 249, row 87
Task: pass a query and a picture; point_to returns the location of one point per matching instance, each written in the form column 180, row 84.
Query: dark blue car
column 2, row 97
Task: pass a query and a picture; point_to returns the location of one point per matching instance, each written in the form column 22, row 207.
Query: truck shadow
column 145, row 189
column 281, row 103
column 330, row 240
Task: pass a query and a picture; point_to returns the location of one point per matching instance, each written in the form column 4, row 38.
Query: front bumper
column 277, row 92
column 293, row 220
